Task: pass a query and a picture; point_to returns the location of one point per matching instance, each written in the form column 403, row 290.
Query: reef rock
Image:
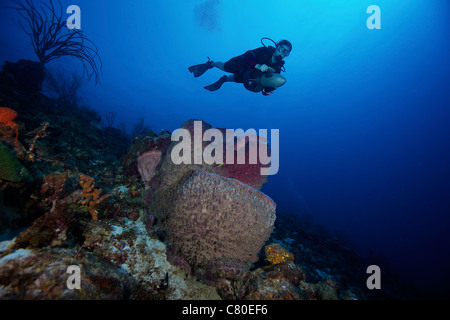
column 42, row 274
column 50, row 229
column 116, row 261
column 28, row 75
column 277, row 282
column 275, row 254
column 217, row 220
column 129, row 246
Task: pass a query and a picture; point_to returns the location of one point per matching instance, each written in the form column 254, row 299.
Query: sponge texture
column 217, row 220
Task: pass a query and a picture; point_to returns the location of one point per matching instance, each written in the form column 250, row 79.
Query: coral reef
column 42, row 274
column 11, row 168
column 56, row 224
column 53, row 186
column 40, row 132
column 50, row 229
column 129, row 246
column 276, row 254
column 169, row 177
column 142, row 145
column 27, row 76
column 277, row 282
column 166, row 231
column 217, row 219
column 147, row 163
column 7, row 124
column 92, row 195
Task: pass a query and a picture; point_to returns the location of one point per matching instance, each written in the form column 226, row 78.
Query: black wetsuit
column 241, row 64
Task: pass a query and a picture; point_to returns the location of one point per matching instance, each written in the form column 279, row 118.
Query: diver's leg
column 219, row 65
column 272, row 80
column 200, row 69
column 216, row 85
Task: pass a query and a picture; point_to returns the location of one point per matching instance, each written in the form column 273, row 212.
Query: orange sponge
column 92, row 195
column 7, row 117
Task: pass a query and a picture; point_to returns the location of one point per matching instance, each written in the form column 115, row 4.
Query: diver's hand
column 262, row 68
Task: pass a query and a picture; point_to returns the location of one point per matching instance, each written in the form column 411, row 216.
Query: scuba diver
column 259, row 69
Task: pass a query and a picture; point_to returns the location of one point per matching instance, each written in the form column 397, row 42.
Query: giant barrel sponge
column 218, row 220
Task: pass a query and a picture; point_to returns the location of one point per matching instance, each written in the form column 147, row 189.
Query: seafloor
column 76, row 191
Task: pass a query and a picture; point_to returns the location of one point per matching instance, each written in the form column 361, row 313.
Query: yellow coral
column 277, row 254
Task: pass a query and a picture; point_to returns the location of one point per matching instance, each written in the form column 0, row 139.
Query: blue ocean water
column 363, row 117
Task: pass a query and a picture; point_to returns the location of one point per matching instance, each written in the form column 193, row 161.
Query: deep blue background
column 363, row 117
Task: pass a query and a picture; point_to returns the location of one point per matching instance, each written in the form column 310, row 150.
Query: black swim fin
column 200, row 69
column 216, row 85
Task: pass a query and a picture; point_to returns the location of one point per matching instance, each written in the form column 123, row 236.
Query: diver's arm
column 265, row 68
column 256, row 56
column 250, row 58
column 260, row 59
column 262, row 67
